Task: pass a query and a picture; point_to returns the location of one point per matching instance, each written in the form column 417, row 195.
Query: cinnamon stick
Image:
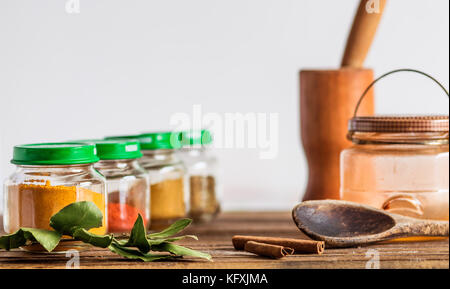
column 299, row 245
column 267, row 250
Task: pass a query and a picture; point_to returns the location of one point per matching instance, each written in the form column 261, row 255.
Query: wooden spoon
column 347, row 224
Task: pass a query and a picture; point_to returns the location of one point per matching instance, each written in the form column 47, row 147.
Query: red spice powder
column 121, row 217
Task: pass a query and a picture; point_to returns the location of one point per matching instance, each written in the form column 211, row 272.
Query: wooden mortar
column 327, row 101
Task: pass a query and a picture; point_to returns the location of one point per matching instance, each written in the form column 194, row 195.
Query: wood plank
column 215, row 238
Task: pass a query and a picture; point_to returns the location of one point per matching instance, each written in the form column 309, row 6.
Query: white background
column 125, row 66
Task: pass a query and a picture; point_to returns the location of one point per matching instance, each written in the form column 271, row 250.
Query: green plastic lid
column 196, row 137
column 116, row 149
column 54, row 154
column 160, row 140
column 114, row 137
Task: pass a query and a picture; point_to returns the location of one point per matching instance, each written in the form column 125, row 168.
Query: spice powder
column 203, row 201
column 167, row 200
column 125, row 206
column 32, row 205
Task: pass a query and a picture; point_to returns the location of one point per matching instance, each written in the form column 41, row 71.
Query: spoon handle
column 423, row 228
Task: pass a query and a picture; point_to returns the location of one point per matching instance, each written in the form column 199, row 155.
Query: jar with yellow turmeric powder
column 47, row 178
column 167, row 176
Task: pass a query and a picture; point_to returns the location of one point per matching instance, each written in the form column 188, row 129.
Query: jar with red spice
column 167, row 176
column 126, row 183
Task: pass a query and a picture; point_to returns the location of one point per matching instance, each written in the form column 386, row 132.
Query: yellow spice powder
column 167, row 200
column 32, row 205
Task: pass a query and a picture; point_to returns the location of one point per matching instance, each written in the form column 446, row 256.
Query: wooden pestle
column 327, row 102
column 362, row 34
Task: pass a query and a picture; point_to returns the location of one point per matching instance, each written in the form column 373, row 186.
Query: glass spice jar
column 167, row 177
column 399, row 164
column 202, row 170
column 47, row 178
column 126, row 183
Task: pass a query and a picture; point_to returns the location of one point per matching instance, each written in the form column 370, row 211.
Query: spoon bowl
column 347, row 224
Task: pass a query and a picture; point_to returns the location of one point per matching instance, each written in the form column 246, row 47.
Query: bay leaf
column 135, row 254
column 180, row 250
column 173, row 229
column 169, row 240
column 83, row 214
column 138, row 236
column 102, row 241
column 48, row 239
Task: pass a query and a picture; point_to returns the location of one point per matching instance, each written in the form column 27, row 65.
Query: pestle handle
column 363, row 32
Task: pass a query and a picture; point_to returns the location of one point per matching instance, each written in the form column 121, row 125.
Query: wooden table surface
column 215, row 238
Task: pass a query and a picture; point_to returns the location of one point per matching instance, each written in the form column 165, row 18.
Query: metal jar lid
column 398, row 124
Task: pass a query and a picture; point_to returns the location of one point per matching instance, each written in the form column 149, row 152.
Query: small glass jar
column 399, row 164
column 167, row 177
column 202, row 169
column 47, row 178
column 126, row 183
column 404, row 173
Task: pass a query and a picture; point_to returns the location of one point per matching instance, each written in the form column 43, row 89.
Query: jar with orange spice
column 47, row 178
column 398, row 163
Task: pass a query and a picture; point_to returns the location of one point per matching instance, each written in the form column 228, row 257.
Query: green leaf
column 93, row 239
column 157, row 241
column 175, row 228
column 137, row 236
column 84, row 215
column 135, row 254
column 169, row 240
column 77, row 218
column 48, row 239
column 180, row 250
column 12, row 241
